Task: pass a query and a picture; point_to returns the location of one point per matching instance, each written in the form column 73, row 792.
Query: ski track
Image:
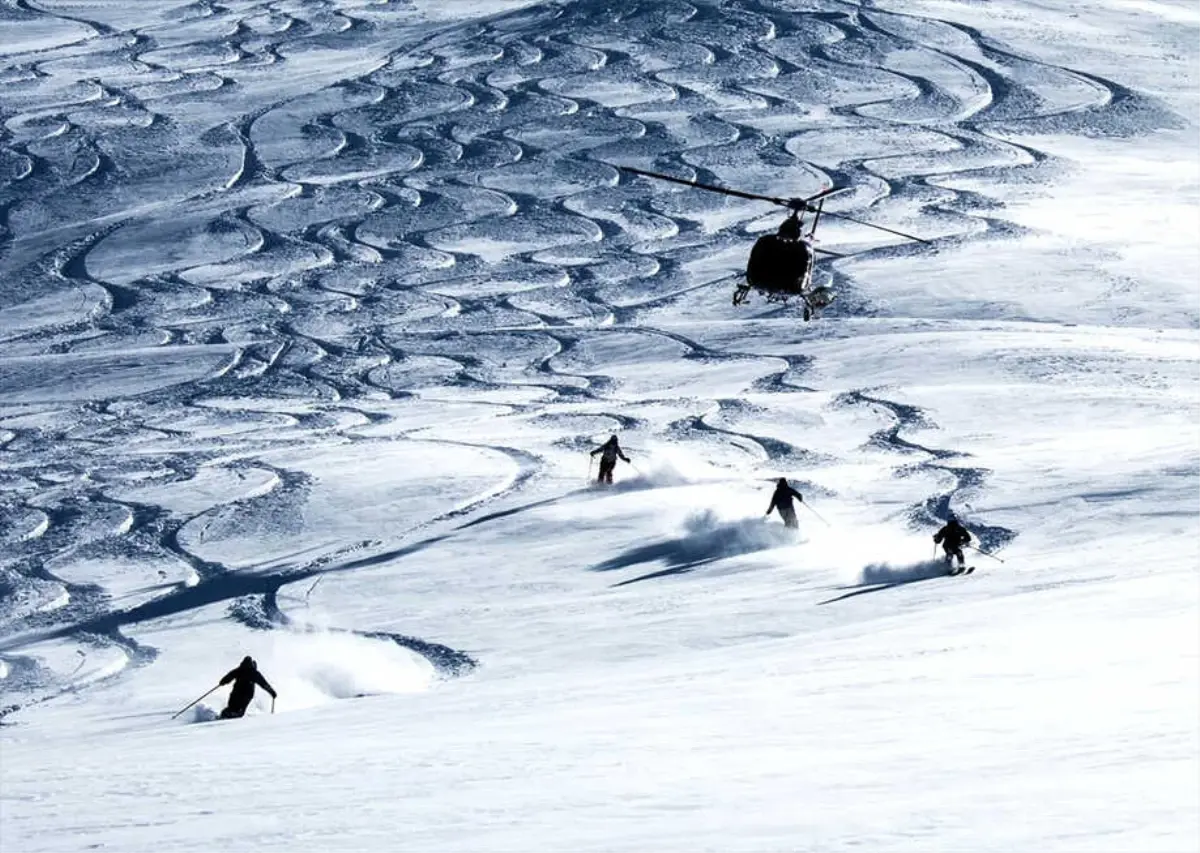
column 328, row 242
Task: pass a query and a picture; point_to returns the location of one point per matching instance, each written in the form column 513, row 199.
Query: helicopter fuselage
column 780, row 266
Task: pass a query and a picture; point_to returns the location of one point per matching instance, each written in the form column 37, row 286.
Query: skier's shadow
column 705, row 540
column 672, row 570
column 878, row 577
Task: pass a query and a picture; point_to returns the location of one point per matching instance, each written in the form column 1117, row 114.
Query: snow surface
column 310, row 312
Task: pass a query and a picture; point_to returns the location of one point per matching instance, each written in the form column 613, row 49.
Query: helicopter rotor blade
column 710, row 187
column 796, row 204
column 880, row 227
column 824, row 194
column 817, row 219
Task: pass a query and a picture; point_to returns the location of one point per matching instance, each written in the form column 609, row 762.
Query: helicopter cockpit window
column 778, row 264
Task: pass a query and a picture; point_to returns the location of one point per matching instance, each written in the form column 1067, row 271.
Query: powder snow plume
column 877, row 573
column 309, row 665
column 706, row 537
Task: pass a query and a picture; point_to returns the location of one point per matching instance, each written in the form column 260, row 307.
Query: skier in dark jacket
column 609, row 451
column 244, row 677
column 952, row 537
column 782, row 501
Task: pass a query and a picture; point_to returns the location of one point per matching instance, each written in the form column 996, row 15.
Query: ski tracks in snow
column 966, row 480
column 238, row 233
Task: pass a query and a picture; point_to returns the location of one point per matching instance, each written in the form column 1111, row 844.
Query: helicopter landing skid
column 741, row 295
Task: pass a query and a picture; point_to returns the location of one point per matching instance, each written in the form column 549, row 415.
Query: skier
column 782, row 501
column 244, row 677
column 609, row 451
column 952, row 537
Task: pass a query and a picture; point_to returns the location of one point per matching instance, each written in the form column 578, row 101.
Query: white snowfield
column 311, row 312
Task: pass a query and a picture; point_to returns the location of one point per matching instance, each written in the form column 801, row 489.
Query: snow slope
column 310, row 313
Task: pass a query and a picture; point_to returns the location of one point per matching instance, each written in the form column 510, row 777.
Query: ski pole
column 817, row 514
column 173, row 716
column 272, row 704
column 589, row 474
column 985, row 553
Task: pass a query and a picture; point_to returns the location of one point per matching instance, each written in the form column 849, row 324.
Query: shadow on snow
column 706, row 539
column 877, row 577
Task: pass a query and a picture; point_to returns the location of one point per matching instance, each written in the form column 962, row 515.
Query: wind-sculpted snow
column 311, row 313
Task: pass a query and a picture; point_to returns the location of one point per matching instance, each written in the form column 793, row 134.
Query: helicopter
column 781, row 265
